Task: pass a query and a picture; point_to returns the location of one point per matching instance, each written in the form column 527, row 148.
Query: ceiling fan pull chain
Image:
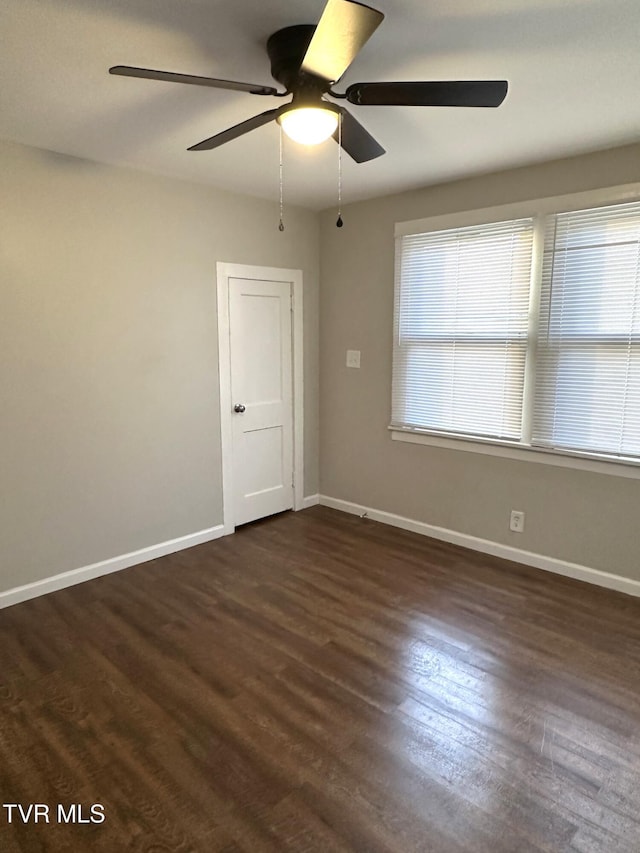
column 281, row 223
column 339, row 222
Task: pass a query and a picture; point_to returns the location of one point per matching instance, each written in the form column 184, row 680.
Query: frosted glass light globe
column 309, row 125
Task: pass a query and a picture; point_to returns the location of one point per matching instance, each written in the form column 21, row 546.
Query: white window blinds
column 460, row 338
column 588, row 366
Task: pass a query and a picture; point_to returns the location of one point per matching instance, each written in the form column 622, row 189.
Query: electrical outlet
column 353, row 358
column 516, row 522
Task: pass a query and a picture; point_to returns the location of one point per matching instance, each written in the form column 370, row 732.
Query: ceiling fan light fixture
column 309, row 125
column 307, row 59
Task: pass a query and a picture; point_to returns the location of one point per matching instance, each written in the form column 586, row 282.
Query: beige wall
column 109, row 421
column 582, row 517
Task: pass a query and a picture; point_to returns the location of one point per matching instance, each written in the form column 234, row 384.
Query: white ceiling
column 573, row 68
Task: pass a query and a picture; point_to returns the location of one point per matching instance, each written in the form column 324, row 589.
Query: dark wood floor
column 320, row 682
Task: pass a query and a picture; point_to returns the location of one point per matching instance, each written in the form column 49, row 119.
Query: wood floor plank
column 321, row 683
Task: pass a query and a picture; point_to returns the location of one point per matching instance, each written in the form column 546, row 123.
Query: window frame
column 523, row 450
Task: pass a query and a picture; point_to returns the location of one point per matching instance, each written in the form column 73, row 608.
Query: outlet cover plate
column 353, row 358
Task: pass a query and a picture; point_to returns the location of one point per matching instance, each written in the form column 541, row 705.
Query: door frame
column 225, row 272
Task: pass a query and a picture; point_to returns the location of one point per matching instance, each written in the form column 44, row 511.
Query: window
column 588, row 388
column 491, row 344
column 462, row 305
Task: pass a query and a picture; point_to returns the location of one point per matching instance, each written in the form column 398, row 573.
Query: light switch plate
column 353, row 358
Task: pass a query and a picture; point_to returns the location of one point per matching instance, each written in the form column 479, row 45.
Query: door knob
column 239, row 408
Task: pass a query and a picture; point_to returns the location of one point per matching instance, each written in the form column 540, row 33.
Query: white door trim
column 224, row 272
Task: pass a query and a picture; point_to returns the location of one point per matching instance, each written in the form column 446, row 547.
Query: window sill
column 508, row 450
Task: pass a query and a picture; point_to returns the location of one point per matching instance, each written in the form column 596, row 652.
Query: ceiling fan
column 307, row 60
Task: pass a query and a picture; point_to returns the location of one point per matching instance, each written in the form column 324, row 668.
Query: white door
column 261, row 397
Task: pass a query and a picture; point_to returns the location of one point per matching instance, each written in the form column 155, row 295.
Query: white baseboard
column 486, row 546
column 495, row 549
column 115, row 564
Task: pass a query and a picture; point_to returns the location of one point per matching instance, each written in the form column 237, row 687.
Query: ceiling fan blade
column 342, row 31
column 356, row 140
column 170, row 77
column 450, row 93
column 234, row 132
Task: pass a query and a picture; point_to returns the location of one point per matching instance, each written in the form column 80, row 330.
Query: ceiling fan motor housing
column 286, row 49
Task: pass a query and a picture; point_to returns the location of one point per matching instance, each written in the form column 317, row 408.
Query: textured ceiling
column 573, row 67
